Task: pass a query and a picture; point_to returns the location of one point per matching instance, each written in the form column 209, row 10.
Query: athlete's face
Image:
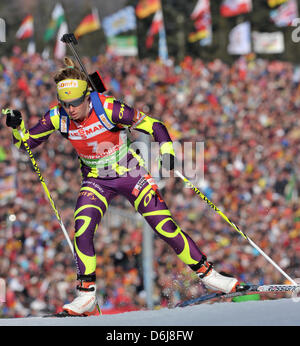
column 77, row 113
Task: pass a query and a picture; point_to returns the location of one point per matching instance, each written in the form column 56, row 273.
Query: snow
column 281, row 312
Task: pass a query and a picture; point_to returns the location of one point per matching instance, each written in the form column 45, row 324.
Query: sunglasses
column 74, row 103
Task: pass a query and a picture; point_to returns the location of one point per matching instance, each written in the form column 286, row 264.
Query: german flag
column 90, row 23
column 146, row 7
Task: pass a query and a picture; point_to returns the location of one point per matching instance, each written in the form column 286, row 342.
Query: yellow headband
column 71, row 89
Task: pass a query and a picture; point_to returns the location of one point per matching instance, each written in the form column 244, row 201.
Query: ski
column 247, row 290
column 63, row 314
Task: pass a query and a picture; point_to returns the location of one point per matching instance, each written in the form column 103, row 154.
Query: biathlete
column 94, row 124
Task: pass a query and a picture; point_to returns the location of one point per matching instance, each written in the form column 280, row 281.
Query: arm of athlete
column 126, row 116
column 35, row 136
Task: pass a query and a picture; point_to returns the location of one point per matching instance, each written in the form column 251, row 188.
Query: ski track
column 282, row 312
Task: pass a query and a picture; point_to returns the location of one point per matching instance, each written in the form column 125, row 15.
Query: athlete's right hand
column 13, row 117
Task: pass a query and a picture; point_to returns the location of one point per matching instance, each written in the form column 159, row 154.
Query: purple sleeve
column 40, row 132
column 160, row 133
column 122, row 114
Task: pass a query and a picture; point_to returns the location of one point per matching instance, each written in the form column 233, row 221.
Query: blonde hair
column 70, row 71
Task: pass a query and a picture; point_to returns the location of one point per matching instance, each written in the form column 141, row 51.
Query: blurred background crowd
column 246, row 114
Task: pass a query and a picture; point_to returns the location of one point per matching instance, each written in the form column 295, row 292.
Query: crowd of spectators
column 247, row 117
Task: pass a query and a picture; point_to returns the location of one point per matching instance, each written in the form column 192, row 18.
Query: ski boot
column 85, row 304
column 216, row 281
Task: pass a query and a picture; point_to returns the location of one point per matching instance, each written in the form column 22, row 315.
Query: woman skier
column 94, row 124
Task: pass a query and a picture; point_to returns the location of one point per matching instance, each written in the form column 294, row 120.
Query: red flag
column 230, row 8
column 201, row 8
column 26, row 28
column 156, row 25
column 202, row 21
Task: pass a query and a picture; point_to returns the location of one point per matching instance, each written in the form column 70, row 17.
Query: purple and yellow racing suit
column 109, row 168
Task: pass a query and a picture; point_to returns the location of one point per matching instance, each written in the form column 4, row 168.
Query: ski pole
column 199, row 193
column 37, row 170
column 95, row 79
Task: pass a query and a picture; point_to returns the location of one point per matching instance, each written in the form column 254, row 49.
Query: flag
column 240, row 39
column 26, row 28
column 273, row 3
column 230, row 8
column 57, row 17
column 145, row 8
column 268, row 42
column 202, row 23
column 90, row 23
column 155, row 27
column 162, row 43
column 60, row 47
column 201, row 8
column 202, row 26
column 122, row 20
column 285, row 14
column 122, row 45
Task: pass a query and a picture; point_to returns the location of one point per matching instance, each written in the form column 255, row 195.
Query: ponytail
column 69, row 71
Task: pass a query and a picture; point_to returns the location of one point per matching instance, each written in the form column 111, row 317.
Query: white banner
column 268, row 42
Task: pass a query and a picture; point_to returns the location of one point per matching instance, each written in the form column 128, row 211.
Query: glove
column 168, row 161
column 13, row 118
column 167, row 158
